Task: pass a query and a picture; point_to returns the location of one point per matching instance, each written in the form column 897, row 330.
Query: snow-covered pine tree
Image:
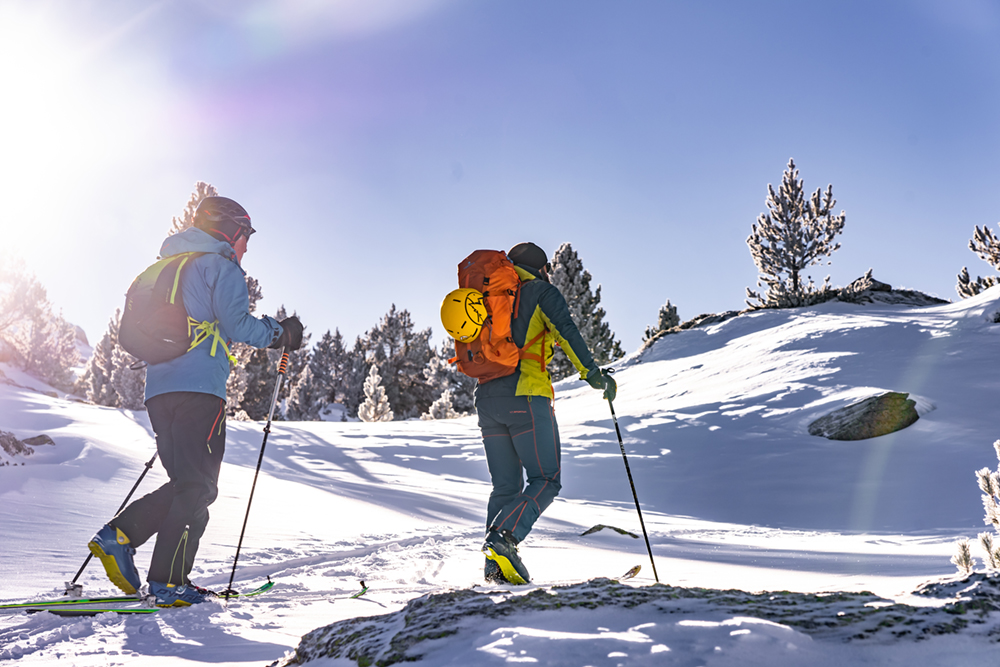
column 667, row 319
column 355, row 374
column 201, row 190
column 375, row 407
column 963, row 557
column 328, row 365
column 306, row 398
column 573, row 281
column 985, row 244
column 402, row 354
column 443, row 376
column 32, row 336
column 297, row 361
column 793, row 235
column 441, row 408
column 128, row 384
column 100, row 367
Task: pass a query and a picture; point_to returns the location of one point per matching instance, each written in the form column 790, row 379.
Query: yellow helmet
column 463, row 313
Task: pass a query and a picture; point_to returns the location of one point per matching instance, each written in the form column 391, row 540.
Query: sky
column 376, row 143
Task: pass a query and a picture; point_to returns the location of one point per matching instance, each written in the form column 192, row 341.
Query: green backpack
column 155, row 326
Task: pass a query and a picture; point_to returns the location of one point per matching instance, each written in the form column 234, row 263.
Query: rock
column 870, row 418
column 39, row 440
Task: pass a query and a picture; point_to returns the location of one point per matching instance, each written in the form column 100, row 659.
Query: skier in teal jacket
column 186, row 404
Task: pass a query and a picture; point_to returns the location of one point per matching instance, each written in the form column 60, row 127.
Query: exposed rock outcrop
column 870, row 418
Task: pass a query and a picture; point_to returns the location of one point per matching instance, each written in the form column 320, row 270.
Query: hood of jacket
column 193, row 239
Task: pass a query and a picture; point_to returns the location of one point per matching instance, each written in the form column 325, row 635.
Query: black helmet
column 223, row 218
column 530, row 255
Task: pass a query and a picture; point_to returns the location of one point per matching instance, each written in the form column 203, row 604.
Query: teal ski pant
column 519, row 434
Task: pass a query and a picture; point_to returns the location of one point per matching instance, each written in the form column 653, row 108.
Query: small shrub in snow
column 987, row 246
column 963, row 557
column 667, row 319
column 375, row 407
column 989, row 484
column 441, row 408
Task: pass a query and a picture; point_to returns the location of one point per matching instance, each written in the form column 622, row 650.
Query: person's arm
column 231, row 304
column 560, row 323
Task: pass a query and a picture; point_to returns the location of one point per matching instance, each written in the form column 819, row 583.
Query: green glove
column 599, row 379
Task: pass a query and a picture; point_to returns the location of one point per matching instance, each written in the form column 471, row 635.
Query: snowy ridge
column 416, row 632
column 736, row 495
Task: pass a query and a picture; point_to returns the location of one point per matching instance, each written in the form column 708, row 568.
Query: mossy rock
column 870, row 418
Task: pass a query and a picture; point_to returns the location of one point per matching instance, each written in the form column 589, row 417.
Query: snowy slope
column 735, row 494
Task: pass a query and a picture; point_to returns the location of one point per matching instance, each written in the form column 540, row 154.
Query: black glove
column 599, row 379
column 291, row 335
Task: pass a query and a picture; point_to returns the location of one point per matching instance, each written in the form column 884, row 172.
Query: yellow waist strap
column 205, row 330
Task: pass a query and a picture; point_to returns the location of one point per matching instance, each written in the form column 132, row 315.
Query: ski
column 631, row 573
column 98, row 605
column 69, row 602
column 364, row 589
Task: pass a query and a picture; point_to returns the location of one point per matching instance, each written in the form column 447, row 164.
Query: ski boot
column 172, row 595
column 112, row 546
column 502, row 549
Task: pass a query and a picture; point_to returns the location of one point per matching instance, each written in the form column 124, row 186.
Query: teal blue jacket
column 215, row 290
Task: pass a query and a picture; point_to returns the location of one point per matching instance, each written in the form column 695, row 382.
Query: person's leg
column 535, row 437
column 116, row 542
column 142, row 518
column 198, row 432
column 501, row 458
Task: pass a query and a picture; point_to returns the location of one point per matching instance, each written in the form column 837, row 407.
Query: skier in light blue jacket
column 186, row 403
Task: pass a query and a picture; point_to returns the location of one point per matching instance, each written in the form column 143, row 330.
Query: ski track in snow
column 735, row 495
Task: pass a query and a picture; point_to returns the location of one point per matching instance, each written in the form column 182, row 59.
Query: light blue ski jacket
column 214, row 289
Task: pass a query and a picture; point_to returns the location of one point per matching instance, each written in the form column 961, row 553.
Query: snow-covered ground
column 735, row 495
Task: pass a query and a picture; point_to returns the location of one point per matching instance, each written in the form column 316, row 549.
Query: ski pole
column 621, row 444
column 72, row 586
column 282, row 369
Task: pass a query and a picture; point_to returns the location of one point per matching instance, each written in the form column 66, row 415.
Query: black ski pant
column 521, row 438
column 191, row 440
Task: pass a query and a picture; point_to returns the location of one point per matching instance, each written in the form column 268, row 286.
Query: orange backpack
column 493, row 354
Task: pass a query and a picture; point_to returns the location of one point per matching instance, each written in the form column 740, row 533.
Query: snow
column 735, row 494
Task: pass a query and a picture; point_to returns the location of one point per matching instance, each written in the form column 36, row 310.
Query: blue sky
column 376, row 143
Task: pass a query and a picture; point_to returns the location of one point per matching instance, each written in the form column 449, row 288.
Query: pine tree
column 376, row 405
column 201, row 190
column 443, row 376
column 402, row 354
column 573, row 282
column 667, row 319
column 306, row 398
column 355, row 373
column 297, row 361
column 100, row 368
column 792, row 236
column 985, row 244
column 441, row 408
column 128, row 384
column 327, row 366
column 36, row 339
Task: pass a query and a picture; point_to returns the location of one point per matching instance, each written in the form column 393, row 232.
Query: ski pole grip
column 283, row 364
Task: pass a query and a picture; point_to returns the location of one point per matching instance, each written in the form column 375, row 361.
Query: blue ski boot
column 172, row 595
column 502, row 548
column 112, row 546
